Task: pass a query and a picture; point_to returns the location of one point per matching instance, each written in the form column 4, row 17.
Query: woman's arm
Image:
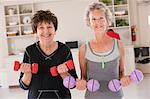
column 81, row 84
column 82, row 62
column 63, row 69
column 26, row 69
column 121, row 62
column 124, row 79
column 24, row 81
column 25, row 75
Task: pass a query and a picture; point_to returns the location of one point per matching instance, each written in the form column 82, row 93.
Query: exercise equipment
column 34, row 67
column 114, row 85
column 136, row 77
column 69, row 64
column 69, row 82
column 93, row 85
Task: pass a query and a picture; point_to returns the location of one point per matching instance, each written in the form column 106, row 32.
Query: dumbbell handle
column 34, row 67
column 69, row 64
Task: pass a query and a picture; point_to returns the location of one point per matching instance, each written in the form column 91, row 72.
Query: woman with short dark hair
column 47, row 53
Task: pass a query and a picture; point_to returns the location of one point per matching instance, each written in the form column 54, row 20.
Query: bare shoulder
column 121, row 47
column 82, row 51
column 120, row 44
column 82, row 48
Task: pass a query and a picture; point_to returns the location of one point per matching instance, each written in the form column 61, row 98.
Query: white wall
column 3, row 43
column 3, row 47
column 70, row 17
column 134, row 19
column 139, row 12
column 143, row 12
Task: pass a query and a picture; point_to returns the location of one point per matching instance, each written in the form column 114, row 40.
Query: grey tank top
column 103, row 67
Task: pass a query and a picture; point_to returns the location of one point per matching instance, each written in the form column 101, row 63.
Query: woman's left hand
column 62, row 68
column 125, row 81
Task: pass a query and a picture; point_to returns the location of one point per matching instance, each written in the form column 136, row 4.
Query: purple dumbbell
column 114, row 85
column 136, row 77
column 69, row 82
column 93, row 85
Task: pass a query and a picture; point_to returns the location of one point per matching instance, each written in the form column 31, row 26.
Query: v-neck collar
column 47, row 57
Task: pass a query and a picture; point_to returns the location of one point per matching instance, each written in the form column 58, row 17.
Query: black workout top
column 43, row 85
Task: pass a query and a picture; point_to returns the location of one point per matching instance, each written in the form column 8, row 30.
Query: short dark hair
column 44, row 16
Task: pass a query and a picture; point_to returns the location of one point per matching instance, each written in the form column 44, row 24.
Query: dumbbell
column 69, row 64
column 136, row 77
column 70, row 82
column 93, row 85
column 34, row 68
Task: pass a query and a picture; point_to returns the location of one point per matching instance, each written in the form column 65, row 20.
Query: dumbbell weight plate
column 136, row 76
column 69, row 82
column 35, row 68
column 16, row 65
column 114, row 85
column 93, row 85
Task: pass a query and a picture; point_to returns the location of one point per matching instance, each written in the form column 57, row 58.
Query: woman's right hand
column 25, row 68
column 81, row 84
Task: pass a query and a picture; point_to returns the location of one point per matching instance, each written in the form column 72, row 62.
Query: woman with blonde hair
column 101, row 58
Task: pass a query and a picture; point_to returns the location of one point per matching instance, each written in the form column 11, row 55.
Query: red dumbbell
column 34, row 68
column 69, row 64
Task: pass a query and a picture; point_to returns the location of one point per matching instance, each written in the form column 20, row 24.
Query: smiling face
column 98, row 21
column 46, row 32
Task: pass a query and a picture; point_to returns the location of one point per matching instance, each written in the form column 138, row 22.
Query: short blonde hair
column 99, row 6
